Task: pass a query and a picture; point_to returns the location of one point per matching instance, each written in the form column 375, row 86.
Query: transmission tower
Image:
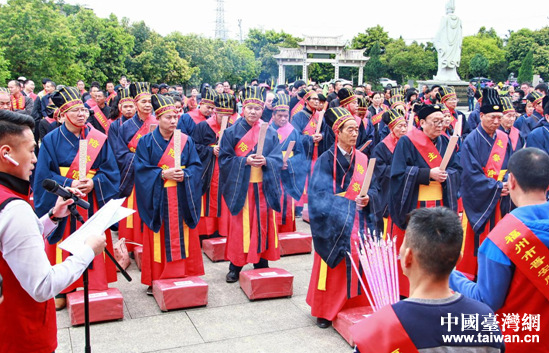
column 220, row 30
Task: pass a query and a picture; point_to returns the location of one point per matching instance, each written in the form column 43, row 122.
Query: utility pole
column 240, row 28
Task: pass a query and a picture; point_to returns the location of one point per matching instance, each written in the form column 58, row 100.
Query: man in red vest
column 513, row 270
column 433, row 318
column 27, row 315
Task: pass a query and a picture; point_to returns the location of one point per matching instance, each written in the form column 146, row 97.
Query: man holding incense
column 167, row 190
column 433, row 315
column 250, row 160
column 417, row 178
column 337, row 216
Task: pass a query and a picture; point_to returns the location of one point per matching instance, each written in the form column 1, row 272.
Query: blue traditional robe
column 186, row 124
column 409, row 170
column 539, row 137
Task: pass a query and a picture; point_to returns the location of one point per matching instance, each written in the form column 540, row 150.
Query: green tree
column 414, row 61
column 525, row 40
column 4, row 68
column 479, row 65
column 374, row 69
column 38, row 41
column 371, row 36
column 526, row 71
column 489, row 47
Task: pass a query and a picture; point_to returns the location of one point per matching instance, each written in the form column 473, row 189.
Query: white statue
column 448, row 44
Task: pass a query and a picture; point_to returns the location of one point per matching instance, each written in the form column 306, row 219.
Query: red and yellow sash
column 310, row 129
column 212, row 123
column 298, row 107
column 382, row 332
column 18, row 103
column 248, row 141
column 110, row 97
column 357, row 179
column 497, row 156
column 377, row 118
column 141, row 132
column 179, row 245
column 524, row 249
column 197, row 116
column 99, row 116
column 284, row 132
column 514, row 135
column 426, row 148
column 96, row 139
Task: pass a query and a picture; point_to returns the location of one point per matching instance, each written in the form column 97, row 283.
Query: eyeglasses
column 435, row 122
column 314, row 99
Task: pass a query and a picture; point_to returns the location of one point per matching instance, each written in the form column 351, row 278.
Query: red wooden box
column 266, row 283
column 295, row 243
column 214, row 248
column 105, row 305
column 347, row 318
column 305, row 215
column 138, row 255
column 179, row 293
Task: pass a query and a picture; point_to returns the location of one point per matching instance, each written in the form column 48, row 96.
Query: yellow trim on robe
column 431, row 192
column 256, row 175
column 385, row 225
column 64, row 170
column 464, row 222
column 276, row 229
column 129, row 219
column 58, row 252
column 157, row 248
column 322, row 275
column 186, row 238
column 502, row 174
column 246, row 226
column 293, row 209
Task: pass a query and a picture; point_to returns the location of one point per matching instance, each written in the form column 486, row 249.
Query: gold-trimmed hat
column 254, row 95
column 125, row 95
column 4, row 91
column 162, row 104
column 346, row 96
column 395, row 101
column 281, row 101
column 424, row 110
column 67, row 98
column 337, row 117
column 139, row 90
column 535, row 97
column 507, row 104
column 490, row 101
column 446, row 92
column 208, row 96
column 362, row 104
column 392, row 117
column 397, row 92
column 224, row 103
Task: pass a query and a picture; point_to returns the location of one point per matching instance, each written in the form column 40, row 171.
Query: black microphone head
column 50, row 185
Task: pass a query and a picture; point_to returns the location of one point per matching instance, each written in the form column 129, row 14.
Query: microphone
column 53, row 187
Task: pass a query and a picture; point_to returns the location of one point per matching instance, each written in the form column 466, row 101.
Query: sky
column 413, row 20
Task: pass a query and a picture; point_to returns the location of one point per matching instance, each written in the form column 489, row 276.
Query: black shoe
column 149, row 290
column 323, row 323
column 232, row 277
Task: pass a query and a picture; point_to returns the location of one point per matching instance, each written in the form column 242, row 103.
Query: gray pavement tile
column 301, row 303
column 169, row 330
column 256, row 317
column 300, row 340
column 63, row 341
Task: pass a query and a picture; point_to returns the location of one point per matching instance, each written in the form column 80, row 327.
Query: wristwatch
column 52, row 218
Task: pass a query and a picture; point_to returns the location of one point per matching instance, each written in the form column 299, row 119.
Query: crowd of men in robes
column 253, row 160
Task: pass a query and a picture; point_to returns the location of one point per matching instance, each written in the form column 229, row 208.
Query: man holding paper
column 206, row 137
column 293, row 172
column 336, row 209
column 250, row 160
column 167, row 190
column 485, row 192
column 78, row 156
column 27, row 314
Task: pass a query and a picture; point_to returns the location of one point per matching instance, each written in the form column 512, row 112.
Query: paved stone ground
column 229, row 323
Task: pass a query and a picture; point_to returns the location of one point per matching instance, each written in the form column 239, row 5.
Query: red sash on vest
column 197, row 116
column 357, row 179
column 310, row 129
column 377, row 118
column 497, row 155
column 298, row 107
column 141, row 132
column 524, row 249
column 110, row 97
column 514, row 135
column 248, row 141
column 25, row 324
column 99, row 116
column 18, row 103
column 382, row 332
column 426, row 148
column 50, row 120
column 178, row 243
column 96, row 139
column 284, row 132
column 212, row 123
column 390, row 141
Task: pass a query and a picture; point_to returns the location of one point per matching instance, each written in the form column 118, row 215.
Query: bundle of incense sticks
column 378, row 260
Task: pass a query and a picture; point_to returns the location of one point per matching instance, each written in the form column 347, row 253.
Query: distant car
column 483, row 81
column 387, row 83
